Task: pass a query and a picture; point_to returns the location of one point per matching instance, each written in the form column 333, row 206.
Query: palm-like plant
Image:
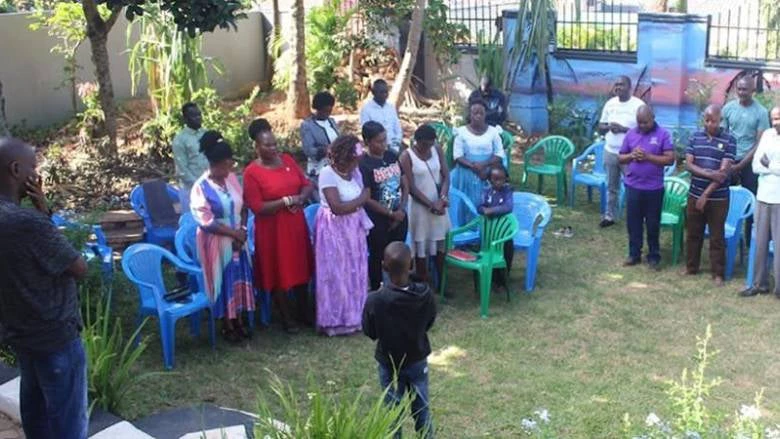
column 534, row 34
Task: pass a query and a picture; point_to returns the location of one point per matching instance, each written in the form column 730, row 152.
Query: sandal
column 560, row 232
column 568, row 232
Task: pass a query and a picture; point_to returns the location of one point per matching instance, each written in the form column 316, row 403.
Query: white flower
column 772, row 433
column 749, row 412
column 543, row 415
column 652, row 420
column 529, row 425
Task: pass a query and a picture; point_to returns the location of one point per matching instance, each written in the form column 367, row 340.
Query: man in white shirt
column 379, row 110
column 766, row 164
column 617, row 117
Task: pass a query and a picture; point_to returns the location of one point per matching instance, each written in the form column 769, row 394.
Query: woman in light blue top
column 477, row 147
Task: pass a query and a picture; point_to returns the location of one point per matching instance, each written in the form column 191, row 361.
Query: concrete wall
column 31, row 74
column 670, row 57
column 456, row 83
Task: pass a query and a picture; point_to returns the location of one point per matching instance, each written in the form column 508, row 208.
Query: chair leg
column 603, row 198
column 676, row 244
column 540, row 185
column 590, row 194
column 195, row 324
column 485, row 280
column 731, row 256
column 573, row 190
column 443, row 281
column 560, row 189
column 212, row 329
column 530, row 268
column 168, row 340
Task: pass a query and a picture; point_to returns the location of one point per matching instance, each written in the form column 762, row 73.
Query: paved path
column 9, row 429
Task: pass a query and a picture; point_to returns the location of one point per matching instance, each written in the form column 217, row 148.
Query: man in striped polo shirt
column 708, row 158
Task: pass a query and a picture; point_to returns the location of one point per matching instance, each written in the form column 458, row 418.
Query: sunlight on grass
column 637, row 285
column 614, row 276
column 445, row 360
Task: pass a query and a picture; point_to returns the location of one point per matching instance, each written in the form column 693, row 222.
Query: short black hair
column 258, row 126
column 187, row 106
column 323, row 99
column 379, row 81
column 371, row 129
column 425, row 132
column 477, row 101
column 500, row 167
column 625, row 78
column 215, row 147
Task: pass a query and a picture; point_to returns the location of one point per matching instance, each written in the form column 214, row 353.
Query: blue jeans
column 643, row 210
column 411, row 378
column 53, row 393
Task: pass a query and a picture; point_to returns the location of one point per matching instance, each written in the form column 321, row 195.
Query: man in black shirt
column 39, row 306
column 495, row 102
column 399, row 316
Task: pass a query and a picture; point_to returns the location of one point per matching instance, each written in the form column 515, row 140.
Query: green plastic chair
column 494, row 233
column 673, row 212
column 557, row 152
column 508, row 140
column 446, row 137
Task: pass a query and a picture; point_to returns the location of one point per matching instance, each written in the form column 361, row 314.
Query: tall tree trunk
column 298, row 94
column 97, row 32
column 4, row 131
column 274, row 37
column 401, row 84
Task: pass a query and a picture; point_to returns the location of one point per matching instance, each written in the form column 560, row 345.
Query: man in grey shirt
column 39, row 304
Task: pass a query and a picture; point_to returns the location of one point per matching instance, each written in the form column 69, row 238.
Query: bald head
column 711, row 118
column 17, row 165
column 645, row 118
column 774, row 115
column 397, row 259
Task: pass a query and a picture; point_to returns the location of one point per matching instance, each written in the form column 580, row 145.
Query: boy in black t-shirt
column 399, row 316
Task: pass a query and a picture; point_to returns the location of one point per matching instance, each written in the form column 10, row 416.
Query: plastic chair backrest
column 741, row 204
column 186, row 243
column 527, row 207
column 250, row 232
column 675, row 195
column 186, row 218
column 669, row 170
column 597, row 150
column 138, row 202
column 502, row 229
column 310, row 212
column 557, row 149
column 142, row 264
column 461, row 209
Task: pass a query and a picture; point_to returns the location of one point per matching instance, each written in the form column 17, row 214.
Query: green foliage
column 65, row 23
column 326, row 43
column 92, row 114
column 110, row 357
column 327, row 415
column 443, row 33
column 169, row 59
column 769, row 98
column 7, row 6
column 594, row 37
column 681, row 6
column 690, row 415
column 680, row 138
column 490, row 59
column 232, row 124
column 532, row 39
column 700, row 94
column 380, row 15
column 577, row 123
column 191, row 16
column 346, row 94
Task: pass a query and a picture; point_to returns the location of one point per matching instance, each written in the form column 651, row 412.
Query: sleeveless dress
column 474, row 148
column 426, row 229
column 341, row 252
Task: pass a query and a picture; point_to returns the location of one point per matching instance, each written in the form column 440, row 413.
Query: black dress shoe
column 630, row 262
column 606, row 223
column 750, row 292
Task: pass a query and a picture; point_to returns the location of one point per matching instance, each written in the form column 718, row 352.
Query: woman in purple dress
column 340, row 241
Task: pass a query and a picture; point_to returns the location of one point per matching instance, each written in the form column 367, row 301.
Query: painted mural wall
column 670, row 59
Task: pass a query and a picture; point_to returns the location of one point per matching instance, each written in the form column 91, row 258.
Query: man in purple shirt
column 645, row 151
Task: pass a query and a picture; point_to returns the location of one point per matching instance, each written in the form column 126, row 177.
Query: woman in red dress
column 275, row 189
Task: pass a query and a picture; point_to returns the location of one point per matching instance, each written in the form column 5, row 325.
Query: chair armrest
column 503, row 240
column 466, row 227
column 187, row 268
column 532, row 150
column 99, row 235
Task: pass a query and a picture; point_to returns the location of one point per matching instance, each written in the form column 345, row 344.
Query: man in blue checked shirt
column 708, row 157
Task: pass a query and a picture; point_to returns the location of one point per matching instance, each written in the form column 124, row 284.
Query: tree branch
column 115, row 11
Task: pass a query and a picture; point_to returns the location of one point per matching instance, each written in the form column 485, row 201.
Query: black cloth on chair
column 159, row 204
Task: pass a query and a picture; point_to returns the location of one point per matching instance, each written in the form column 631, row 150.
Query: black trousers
column 378, row 238
column 644, row 212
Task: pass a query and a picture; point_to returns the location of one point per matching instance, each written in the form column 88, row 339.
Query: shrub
column 327, row 415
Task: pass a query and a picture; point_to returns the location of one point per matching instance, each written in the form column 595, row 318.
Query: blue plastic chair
column 533, row 213
column 142, row 264
column 310, row 212
column 749, row 275
column 597, row 177
column 186, row 218
column 741, row 205
column 153, row 235
column 462, row 212
column 97, row 248
column 184, row 242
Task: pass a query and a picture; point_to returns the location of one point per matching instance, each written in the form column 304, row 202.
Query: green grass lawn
column 593, row 341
